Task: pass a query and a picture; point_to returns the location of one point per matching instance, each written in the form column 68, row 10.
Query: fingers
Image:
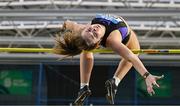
column 159, row 77
column 155, row 83
column 150, row 90
column 151, row 82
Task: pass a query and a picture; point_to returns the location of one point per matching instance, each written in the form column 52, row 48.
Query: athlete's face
column 92, row 34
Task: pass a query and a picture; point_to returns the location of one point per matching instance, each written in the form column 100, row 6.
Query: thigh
column 133, row 42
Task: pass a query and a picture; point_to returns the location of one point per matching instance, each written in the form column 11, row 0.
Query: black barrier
column 57, row 83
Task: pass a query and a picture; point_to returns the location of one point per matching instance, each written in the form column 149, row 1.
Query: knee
column 87, row 56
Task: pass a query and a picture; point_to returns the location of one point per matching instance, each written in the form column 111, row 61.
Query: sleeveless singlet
column 112, row 23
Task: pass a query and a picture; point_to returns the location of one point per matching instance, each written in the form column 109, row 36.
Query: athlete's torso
column 111, row 23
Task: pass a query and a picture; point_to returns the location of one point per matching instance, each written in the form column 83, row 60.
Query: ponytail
column 67, row 44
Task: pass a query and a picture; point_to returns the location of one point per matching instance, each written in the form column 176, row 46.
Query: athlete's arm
column 116, row 45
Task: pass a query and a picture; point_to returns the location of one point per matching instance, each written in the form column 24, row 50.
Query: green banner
column 15, row 82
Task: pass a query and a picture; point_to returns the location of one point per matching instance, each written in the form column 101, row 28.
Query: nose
column 94, row 28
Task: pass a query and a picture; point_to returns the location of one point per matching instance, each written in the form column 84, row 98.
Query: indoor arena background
column 42, row 79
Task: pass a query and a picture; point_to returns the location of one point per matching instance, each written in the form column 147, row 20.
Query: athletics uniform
column 112, row 23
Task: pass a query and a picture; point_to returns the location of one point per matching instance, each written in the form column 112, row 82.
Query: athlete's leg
column 123, row 68
column 86, row 65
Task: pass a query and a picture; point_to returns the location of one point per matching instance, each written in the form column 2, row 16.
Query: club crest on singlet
column 111, row 18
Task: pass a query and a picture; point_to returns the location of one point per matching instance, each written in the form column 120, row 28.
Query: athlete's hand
column 151, row 82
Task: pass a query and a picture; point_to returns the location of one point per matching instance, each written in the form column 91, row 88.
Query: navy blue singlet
column 112, row 23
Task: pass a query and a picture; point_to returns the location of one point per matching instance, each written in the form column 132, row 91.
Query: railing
column 116, row 3
column 148, row 19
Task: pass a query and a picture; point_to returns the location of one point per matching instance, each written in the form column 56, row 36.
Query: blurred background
column 42, row 79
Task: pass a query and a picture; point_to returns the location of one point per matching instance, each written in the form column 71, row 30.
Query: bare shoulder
column 114, row 42
column 114, row 36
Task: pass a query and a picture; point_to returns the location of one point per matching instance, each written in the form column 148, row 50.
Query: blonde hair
column 70, row 43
